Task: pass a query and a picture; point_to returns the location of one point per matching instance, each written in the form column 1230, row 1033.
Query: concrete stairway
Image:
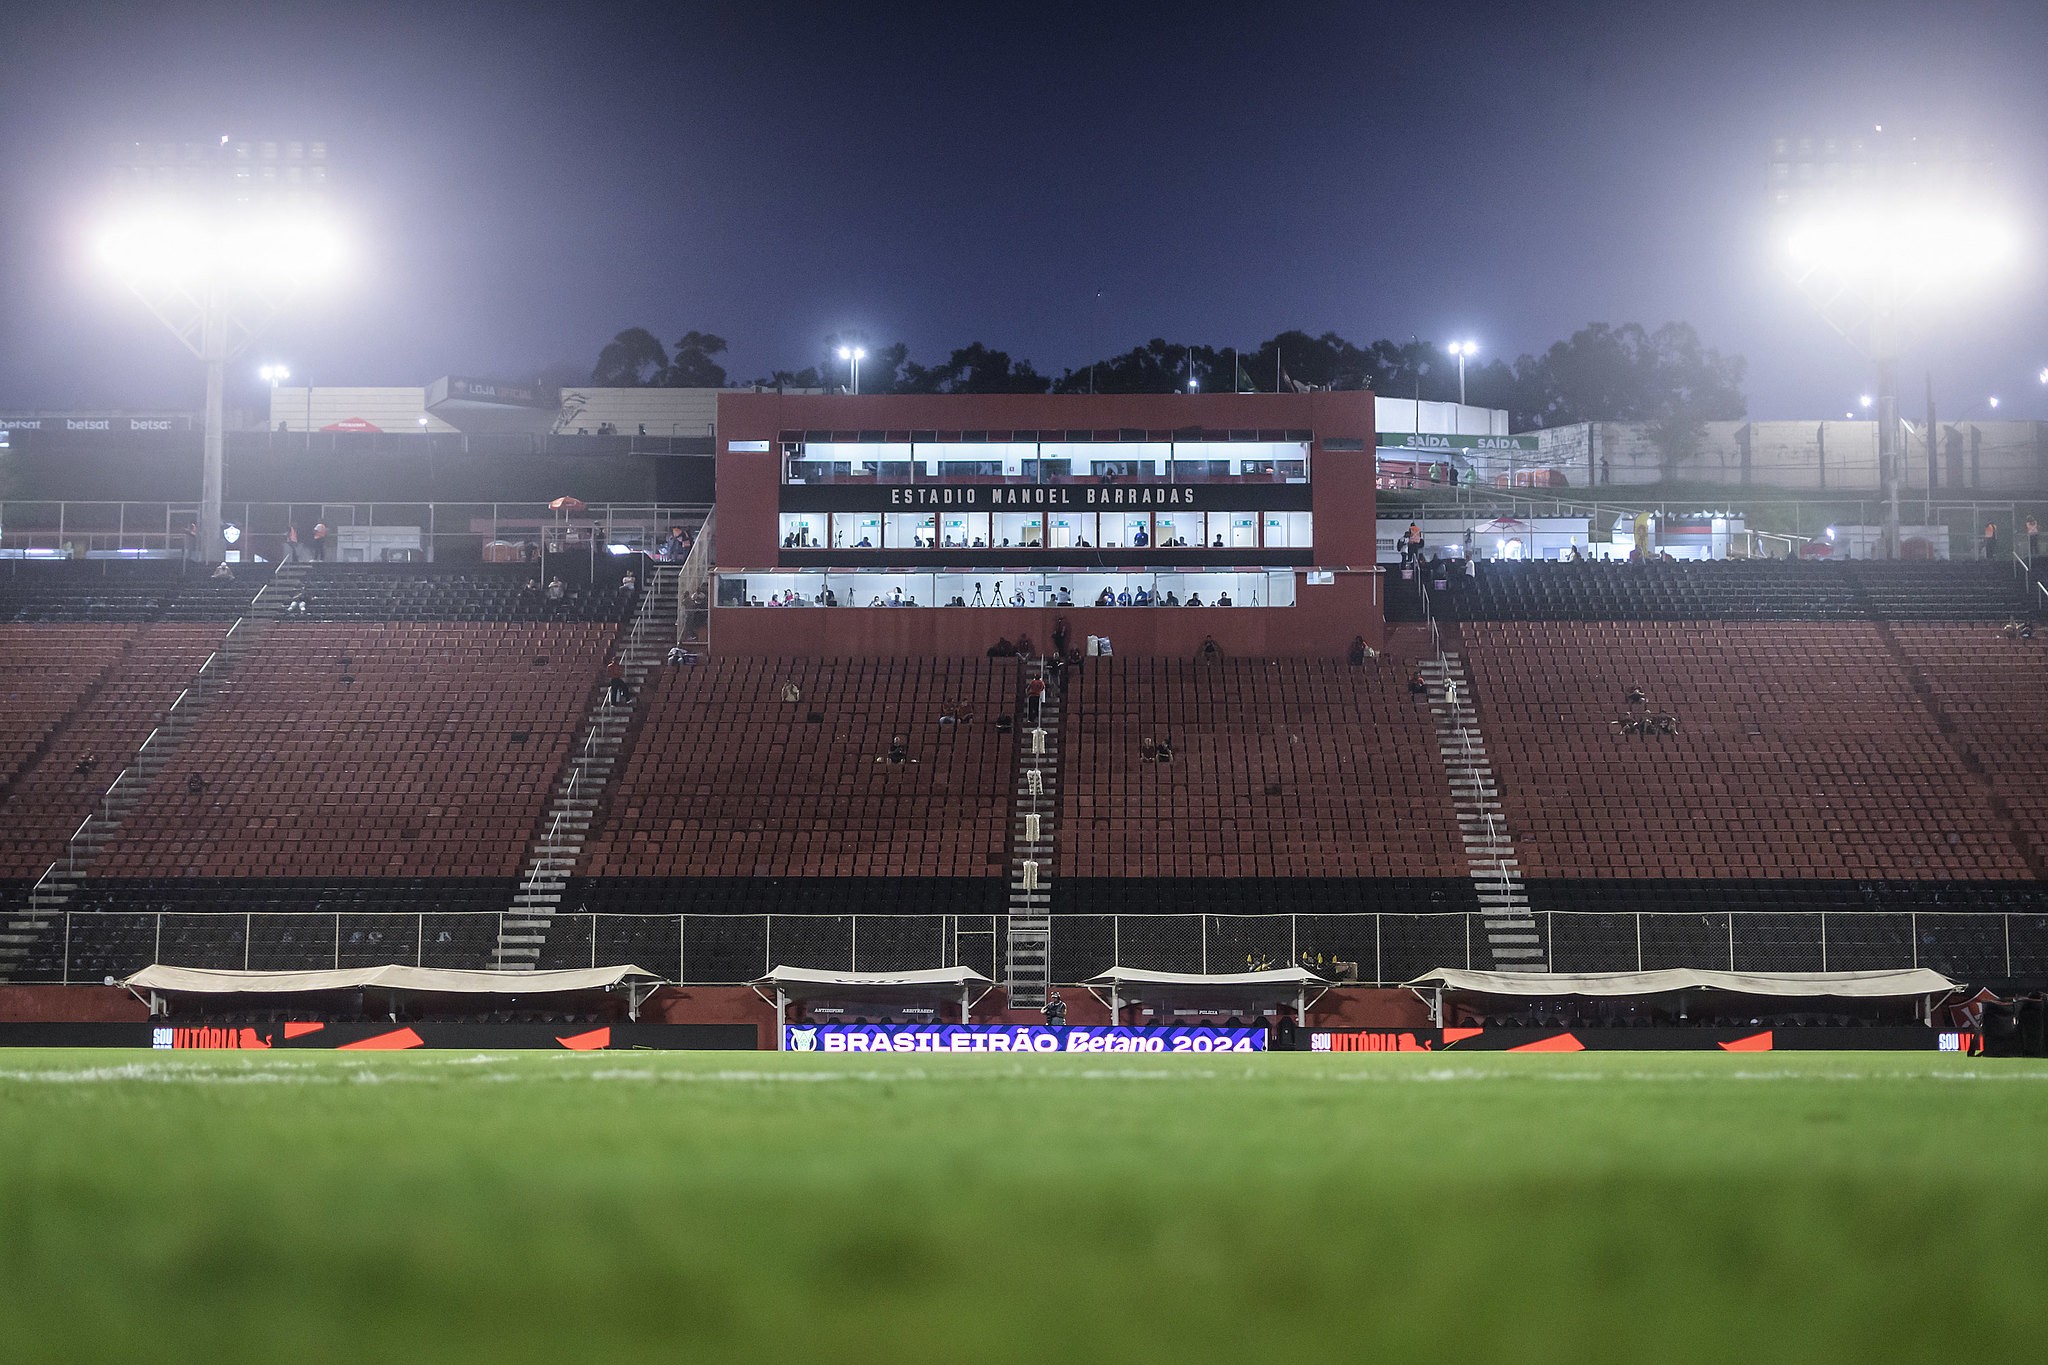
column 52, row 893
column 1511, row 935
column 551, row 858
column 1027, row 958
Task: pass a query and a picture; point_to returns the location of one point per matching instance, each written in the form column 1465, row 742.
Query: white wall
column 1990, row 457
column 1454, row 419
column 664, row 412
column 389, row 409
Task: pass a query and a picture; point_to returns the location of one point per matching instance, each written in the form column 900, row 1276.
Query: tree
column 630, row 360
column 1626, row 374
column 694, row 367
column 974, row 368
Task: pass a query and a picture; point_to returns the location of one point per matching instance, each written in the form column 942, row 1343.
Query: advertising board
column 1020, row 1038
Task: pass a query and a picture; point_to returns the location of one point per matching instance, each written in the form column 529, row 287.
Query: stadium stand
column 403, row 749
column 1718, row 590
column 1802, row 752
column 1279, row 768
column 736, row 799
column 100, row 725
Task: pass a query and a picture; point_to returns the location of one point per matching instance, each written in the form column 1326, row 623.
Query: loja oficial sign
column 1020, row 1038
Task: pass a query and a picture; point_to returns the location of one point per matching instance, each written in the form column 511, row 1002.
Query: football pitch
column 277, row 1207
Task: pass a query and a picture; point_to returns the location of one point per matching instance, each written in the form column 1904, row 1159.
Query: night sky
column 1059, row 181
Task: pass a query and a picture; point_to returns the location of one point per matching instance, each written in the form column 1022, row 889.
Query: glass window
column 1288, row 530
column 963, row 530
column 1178, row 528
column 1244, row 530
column 856, row 530
column 803, row 530
column 1070, row 529
column 1020, row 530
column 910, row 530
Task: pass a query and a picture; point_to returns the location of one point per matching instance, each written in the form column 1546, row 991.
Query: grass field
column 579, row 1207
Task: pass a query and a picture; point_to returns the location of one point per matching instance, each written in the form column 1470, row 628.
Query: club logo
column 803, row 1040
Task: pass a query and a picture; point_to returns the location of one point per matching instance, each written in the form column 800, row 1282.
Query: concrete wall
column 387, row 409
column 664, row 412
column 1974, row 457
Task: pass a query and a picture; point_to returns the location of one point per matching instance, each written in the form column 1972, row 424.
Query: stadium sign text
column 1023, row 1038
column 1414, row 440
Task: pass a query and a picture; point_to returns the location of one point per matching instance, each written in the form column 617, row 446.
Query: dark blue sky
column 1061, row 181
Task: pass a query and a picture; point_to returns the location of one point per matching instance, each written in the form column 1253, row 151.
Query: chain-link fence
column 89, row 947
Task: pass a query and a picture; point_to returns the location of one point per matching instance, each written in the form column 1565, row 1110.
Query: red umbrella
column 567, row 505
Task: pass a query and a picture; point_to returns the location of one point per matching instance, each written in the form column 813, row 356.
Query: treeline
column 1600, row 373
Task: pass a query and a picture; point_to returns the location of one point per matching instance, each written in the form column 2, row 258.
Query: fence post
column 248, row 932
column 682, row 924
column 1205, row 944
column 2006, row 921
column 1823, row 940
column 1913, row 928
column 1378, row 966
column 1468, row 941
column 419, row 940
column 1731, row 938
column 853, row 943
column 1639, row 940
column 64, row 972
column 767, row 944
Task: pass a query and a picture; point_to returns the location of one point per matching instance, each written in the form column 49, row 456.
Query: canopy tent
column 1130, row 985
column 783, row 985
column 157, row 981
column 1885, row 985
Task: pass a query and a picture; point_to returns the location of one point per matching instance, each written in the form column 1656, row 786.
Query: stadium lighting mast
column 216, row 240
column 1868, row 229
column 854, row 355
column 1462, row 349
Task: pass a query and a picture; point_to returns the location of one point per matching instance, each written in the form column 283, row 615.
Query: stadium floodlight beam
column 215, row 242
column 1872, row 228
column 1462, row 349
column 854, row 355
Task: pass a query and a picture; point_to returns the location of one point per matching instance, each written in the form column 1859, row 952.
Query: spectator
column 677, row 654
column 1060, row 634
column 291, row 544
column 1411, row 544
column 320, row 541
column 628, row 584
column 221, row 570
column 1211, row 651
column 1635, row 697
column 1034, row 693
column 1025, row 648
column 615, row 674
column 557, row 590
column 1164, row 754
column 1418, row 686
column 1223, row 599
column 87, row 764
column 195, row 785
column 1002, row 649
column 301, row 600
column 2033, row 537
column 1055, row 1009
column 1357, row 651
column 1991, row 540
column 791, row 693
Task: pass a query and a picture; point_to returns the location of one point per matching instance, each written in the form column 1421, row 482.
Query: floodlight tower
column 216, row 239
column 1867, row 227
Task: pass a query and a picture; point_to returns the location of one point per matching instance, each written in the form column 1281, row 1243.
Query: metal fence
column 89, row 947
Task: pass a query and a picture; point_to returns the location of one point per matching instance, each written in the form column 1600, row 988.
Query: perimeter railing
column 1377, row 948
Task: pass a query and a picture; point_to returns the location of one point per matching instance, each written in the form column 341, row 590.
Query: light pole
column 854, row 355
column 215, row 265
column 1462, row 349
column 273, row 375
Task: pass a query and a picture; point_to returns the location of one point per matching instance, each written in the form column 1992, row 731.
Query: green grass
column 583, row 1207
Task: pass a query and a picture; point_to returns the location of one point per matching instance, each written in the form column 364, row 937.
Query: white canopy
column 806, row 983
column 1540, row 985
column 409, row 980
column 1125, row 979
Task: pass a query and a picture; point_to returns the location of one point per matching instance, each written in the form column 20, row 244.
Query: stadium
column 1214, row 852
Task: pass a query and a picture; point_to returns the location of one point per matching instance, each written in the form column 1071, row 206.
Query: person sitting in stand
column 1066, row 597
column 1164, row 754
column 1219, row 543
column 1223, row 599
column 1106, row 598
column 864, row 544
column 1357, row 652
column 1194, row 599
column 1002, row 649
column 1123, row 599
column 1148, row 749
column 1636, row 697
column 1418, row 686
column 221, row 570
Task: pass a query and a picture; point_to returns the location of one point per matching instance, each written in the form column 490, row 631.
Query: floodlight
column 1994, row 400
column 273, row 375
column 1864, row 400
